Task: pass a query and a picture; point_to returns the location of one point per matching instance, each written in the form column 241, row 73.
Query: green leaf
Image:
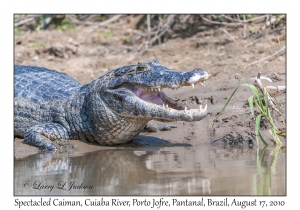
column 257, row 124
column 275, row 136
column 232, row 94
column 249, row 16
column 257, row 131
column 17, row 31
column 266, row 101
column 255, row 91
column 250, row 101
column 262, row 138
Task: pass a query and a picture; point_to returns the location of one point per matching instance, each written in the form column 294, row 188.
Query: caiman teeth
column 153, row 89
column 193, row 85
column 201, row 109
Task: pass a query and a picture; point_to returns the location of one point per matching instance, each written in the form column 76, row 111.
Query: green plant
column 162, row 16
column 264, row 112
column 37, row 26
column 107, row 33
column 221, row 17
column 249, row 16
column 65, row 25
column 102, row 18
column 17, row 31
column 37, row 45
column 126, row 39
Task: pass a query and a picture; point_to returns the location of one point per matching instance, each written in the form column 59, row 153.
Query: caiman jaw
column 155, row 96
column 136, row 99
column 158, row 102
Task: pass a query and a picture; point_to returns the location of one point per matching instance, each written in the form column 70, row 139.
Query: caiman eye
column 139, row 68
column 142, row 67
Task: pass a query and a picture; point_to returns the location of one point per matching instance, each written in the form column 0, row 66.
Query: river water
column 172, row 170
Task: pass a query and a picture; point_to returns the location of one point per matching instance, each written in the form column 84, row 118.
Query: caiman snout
column 195, row 76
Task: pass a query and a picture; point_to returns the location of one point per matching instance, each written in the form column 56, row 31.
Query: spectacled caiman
column 50, row 106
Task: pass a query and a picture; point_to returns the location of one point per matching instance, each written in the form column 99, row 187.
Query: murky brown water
column 195, row 170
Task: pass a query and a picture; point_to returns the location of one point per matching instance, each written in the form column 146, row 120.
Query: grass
column 17, row 31
column 37, row 45
column 102, row 18
column 65, row 25
column 126, row 39
column 107, row 33
column 262, row 102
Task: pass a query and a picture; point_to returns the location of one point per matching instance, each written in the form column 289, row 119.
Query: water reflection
column 201, row 170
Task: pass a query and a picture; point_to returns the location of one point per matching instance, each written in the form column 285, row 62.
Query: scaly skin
column 51, row 106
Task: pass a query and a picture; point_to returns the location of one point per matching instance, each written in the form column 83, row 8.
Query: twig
column 27, row 20
column 272, row 19
column 167, row 26
column 266, row 58
column 269, row 49
column 226, row 17
column 256, row 40
column 143, row 34
column 161, row 29
column 221, row 23
column 278, row 41
column 229, row 35
column 104, row 23
column 245, row 28
column 245, row 21
column 140, row 33
column 114, row 18
column 276, row 76
column 149, row 26
column 185, row 18
column 259, row 84
column 276, row 87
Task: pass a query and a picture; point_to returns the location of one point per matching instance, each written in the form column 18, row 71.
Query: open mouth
column 155, row 96
column 139, row 100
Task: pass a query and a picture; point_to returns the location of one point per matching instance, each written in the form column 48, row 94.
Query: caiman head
column 136, row 91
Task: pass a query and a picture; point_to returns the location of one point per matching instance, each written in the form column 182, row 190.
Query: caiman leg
column 43, row 135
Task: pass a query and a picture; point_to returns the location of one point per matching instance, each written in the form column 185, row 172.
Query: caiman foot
column 42, row 136
column 153, row 127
